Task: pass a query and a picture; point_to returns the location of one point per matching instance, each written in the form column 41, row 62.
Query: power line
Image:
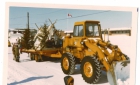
column 83, row 15
column 22, row 24
column 50, row 12
column 18, row 17
column 16, row 24
column 37, row 14
column 72, row 17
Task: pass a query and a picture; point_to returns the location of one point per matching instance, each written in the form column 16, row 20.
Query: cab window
column 78, row 31
column 92, row 29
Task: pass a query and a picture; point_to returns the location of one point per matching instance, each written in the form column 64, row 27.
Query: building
column 118, row 31
column 112, row 31
column 14, row 34
column 21, row 31
column 68, row 32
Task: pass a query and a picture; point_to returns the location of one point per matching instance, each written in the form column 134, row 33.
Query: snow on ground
column 28, row 72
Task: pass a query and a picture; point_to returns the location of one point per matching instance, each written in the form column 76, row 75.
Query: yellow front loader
column 87, row 48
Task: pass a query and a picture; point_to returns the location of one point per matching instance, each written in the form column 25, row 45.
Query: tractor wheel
column 31, row 56
column 68, row 63
column 90, row 69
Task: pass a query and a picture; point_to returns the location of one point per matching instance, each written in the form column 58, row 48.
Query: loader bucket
column 119, row 73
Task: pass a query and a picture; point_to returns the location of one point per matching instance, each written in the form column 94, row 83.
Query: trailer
column 47, row 42
column 41, row 55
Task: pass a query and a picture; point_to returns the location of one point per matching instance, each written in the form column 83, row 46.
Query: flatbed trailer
column 39, row 55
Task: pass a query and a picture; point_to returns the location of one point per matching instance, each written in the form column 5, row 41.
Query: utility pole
column 28, row 19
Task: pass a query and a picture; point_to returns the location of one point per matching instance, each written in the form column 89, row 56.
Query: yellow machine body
column 81, row 45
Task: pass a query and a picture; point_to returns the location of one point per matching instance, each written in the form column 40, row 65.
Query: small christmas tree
column 43, row 36
column 26, row 39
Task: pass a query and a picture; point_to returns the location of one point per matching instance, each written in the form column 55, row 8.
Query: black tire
column 69, row 59
column 93, row 72
column 40, row 58
column 36, row 58
column 68, row 80
column 31, row 56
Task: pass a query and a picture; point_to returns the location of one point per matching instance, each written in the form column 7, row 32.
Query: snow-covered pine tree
column 43, row 36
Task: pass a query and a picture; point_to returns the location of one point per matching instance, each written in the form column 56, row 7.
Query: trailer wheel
column 31, row 56
column 40, row 57
column 36, row 58
column 90, row 69
column 68, row 63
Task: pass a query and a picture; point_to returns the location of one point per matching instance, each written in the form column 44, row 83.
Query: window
column 78, row 30
column 92, row 29
column 96, row 30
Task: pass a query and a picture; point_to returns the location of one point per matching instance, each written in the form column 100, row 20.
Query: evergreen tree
column 43, row 36
column 26, row 39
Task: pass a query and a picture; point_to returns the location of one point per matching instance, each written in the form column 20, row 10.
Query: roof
column 87, row 21
column 91, row 21
column 116, row 29
column 21, row 29
column 70, row 31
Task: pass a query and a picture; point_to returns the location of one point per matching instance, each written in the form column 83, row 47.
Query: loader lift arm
column 98, row 51
column 99, row 48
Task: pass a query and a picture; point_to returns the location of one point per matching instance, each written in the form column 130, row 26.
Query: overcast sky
column 108, row 19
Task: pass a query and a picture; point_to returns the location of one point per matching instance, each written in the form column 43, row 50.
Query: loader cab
column 87, row 29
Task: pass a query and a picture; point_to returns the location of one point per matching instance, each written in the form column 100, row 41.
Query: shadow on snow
column 30, row 79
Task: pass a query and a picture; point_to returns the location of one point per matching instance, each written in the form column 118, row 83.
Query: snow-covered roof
column 70, row 31
column 122, row 28
column 20, row 29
